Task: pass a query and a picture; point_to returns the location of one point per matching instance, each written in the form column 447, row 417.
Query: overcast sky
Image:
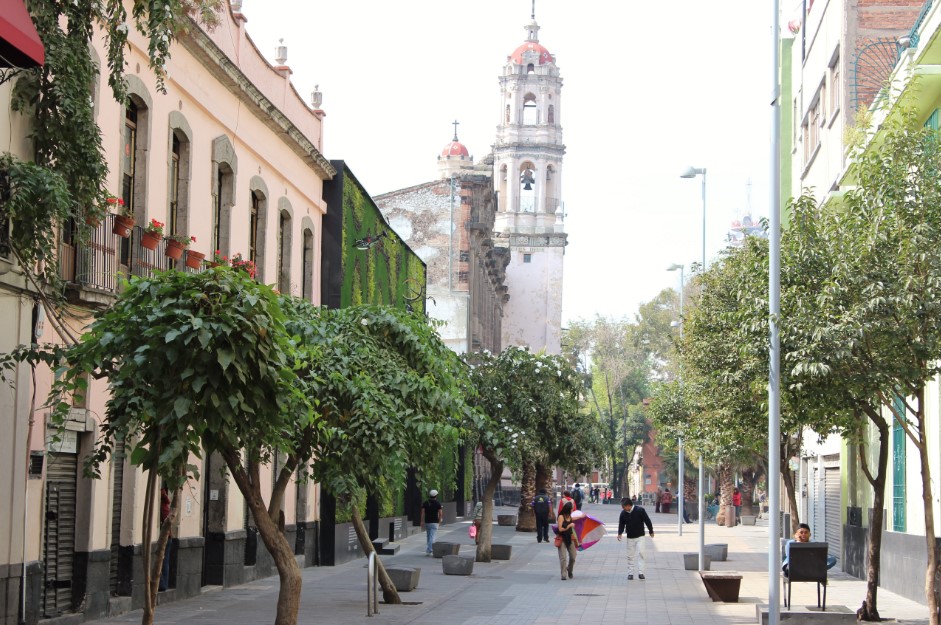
column 650, row 88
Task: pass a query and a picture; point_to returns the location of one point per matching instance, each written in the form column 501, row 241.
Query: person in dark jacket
column 632, row 521
column 542, row 506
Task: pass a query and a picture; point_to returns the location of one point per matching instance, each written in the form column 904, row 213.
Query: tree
column 529, row 412
column 389, row 393
column 888, row 296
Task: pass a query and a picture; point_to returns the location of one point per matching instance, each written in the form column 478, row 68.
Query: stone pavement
column 526, row 589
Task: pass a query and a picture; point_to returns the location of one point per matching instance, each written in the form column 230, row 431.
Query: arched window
column 530, row 69
column 181, row 134
column 307, row 269
column 527, row 188
column 530, row 112
column 225, row 168
column 285, row 244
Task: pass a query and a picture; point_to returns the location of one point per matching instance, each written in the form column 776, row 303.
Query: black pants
column 542, row 528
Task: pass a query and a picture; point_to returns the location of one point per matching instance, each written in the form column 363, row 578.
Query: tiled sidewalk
column 527, row 589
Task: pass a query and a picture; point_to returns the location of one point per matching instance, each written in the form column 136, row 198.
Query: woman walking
column 568, row 542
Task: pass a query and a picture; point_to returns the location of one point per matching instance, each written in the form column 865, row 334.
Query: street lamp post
column 680, row 460
column 692, row 172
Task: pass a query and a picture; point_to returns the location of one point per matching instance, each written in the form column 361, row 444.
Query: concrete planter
column 723, row 586
column 457, row 565
column 748, row 520
column 500, row 552
column 718, row 552
column 506, row 520
column 404, row 578
column 439, row 550
column 691, row 562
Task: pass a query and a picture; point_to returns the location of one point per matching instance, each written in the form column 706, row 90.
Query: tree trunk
column 869, row 611
column 150, row 598
column 486, row 525
column 543, row 476
column 726, row 487
column 389, row 592
column 289, row 593
column 525, row 518
column 921, row 441
column 747, row 488
column 789, row 486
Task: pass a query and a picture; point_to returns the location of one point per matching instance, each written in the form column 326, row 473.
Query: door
column 59, row 533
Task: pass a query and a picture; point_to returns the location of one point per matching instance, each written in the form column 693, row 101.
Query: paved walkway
column 526, row 590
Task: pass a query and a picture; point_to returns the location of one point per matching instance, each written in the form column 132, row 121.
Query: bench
column 722, row 585
column 457, row 565
column 500, row 552
column 506, row 520
column 441, row 549
column 806, row 562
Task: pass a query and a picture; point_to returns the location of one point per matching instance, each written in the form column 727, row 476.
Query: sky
column 650, row 88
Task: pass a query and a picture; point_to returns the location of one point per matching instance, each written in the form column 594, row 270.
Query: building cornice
column 198, row 43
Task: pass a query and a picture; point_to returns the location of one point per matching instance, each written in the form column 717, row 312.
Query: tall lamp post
column 692, row 172
column 681, row 462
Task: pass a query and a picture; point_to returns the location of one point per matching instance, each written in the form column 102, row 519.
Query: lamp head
column 674, row 267
column 692, row 172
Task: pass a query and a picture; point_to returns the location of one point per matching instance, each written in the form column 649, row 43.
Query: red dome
column 455, row 148
column 544, row 56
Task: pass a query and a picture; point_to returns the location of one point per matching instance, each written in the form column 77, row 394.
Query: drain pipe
column 36, row 331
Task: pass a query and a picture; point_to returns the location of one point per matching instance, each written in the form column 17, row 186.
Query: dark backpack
column 577, row 495
column 541, row 505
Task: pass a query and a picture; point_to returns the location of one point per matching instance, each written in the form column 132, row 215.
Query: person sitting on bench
column 802, row 535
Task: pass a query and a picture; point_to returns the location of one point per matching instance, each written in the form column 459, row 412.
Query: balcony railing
column 914, row 37
column 97, row 261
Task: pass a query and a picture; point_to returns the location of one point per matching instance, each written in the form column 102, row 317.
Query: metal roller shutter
column 59, row 534
column 834, row 518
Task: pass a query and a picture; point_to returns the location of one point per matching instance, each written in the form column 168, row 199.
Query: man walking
column 578, row 496
column 542, row 505
column 431, row 513
column 632, row 521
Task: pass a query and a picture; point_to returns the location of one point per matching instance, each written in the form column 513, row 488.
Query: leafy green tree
column 389, row 393
column 886, row 292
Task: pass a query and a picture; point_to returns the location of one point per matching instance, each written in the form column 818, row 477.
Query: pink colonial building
column 231, row 154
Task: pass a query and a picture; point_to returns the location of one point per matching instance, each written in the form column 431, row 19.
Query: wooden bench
column 722, row 585
column 806, row 562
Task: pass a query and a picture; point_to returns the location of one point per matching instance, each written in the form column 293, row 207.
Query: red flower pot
column 123, row 226
column 194, row 260
column 174, row 249
column 149, row 240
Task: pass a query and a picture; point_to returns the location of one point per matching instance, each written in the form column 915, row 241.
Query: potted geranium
column 243, row 264
column 176, row 243
column 123, row 217
column 194, row 259
column 153, row 233
column 218, row 258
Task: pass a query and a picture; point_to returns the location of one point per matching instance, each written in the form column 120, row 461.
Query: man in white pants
column 632, row 520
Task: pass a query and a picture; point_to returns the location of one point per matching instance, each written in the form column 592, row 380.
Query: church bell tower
column 527, row 171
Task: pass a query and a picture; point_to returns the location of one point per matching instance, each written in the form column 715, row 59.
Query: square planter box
column 439, row 550
column 691, row 562
column 405, row 578
column 748, row 520
column 500, row 552
column 506, row 519
column 718, row 552
column 722, row 586
column 457, row 565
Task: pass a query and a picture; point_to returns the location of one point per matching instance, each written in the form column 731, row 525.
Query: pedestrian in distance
column 431, row 515
column 737, row 503
column 631, row 523
column 566, row 541
column 802, row 535
column 566, row 498
column 665, row 500
column 478, row 520
column 578, row 496
column 542, row 508
column 657, row 499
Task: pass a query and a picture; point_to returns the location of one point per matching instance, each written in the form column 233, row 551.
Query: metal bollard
column 372, row 586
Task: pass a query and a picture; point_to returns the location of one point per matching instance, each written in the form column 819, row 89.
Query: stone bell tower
column 527, row 172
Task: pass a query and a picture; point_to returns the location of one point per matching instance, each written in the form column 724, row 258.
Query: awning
column 19, row 43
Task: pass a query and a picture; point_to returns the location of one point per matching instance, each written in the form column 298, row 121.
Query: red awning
column 19, row 43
